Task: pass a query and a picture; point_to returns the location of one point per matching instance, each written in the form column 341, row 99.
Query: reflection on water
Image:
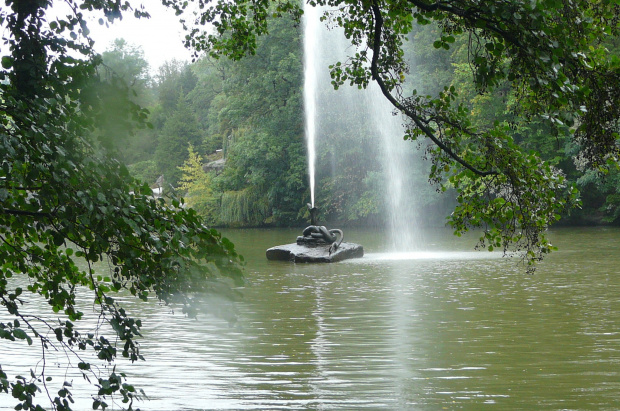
column 427, row 255
column 446, row 328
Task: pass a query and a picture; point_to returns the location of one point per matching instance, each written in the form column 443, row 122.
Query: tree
column 179, row 131
column 126, row 61
column 175, row 80
column 257, row 118
column 550, row 53
column 62, row 200
column 198, row 187
column 123, row 81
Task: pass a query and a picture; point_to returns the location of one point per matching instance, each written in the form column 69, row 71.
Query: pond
column 444, row 327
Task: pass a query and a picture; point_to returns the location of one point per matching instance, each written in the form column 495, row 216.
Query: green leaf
column 7, row 62
column 6, row 334
column 20, row 334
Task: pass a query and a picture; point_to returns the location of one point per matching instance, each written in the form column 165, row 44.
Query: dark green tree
column 259, row 117
column 63, row 200
column 205, row 98
column 178, row 133
column 174, row 81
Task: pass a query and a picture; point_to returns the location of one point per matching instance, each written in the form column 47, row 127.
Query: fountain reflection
column 430, row 255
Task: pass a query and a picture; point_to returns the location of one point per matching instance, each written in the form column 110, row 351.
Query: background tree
column 126, row 61
column 179, row 131
column 217, row 92
column 174, row 81
column 255, row 116
column 122, row 83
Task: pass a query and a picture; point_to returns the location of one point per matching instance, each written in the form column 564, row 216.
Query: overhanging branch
column 374, row 69
column 471, row 14
column 25, row 213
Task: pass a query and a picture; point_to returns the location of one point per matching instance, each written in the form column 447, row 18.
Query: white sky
column 161, row 36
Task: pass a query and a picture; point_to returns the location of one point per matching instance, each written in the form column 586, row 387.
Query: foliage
column 180, row 130
column 257, row 118
column 197, row 185
column 122, row 84
column 247, row 207
column 63, row 200
column 126, row 62
column 174, row 81
column 144, row 170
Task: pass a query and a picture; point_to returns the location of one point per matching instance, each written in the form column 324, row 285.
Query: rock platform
column 314, row 253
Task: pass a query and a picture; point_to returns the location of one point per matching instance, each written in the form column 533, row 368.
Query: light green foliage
column 197, row 186
column 62, row 200
column 247, row 207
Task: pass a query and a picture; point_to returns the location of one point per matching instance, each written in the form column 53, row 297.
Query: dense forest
column 229, row 136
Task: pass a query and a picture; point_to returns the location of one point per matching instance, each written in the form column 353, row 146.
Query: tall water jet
column 357, row 115
column 311, row 48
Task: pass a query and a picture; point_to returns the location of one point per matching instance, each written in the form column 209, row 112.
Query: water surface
column 443, row 327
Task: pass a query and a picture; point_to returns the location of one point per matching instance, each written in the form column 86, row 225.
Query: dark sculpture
column 319, row 234
column 311, row 246
column 313, row 212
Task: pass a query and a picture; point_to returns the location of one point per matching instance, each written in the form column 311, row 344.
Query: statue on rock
column 315, row 234
column 317, row 244
column 318, row 234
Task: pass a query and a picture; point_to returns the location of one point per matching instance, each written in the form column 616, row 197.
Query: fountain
column 311, row 48
column 337, row 120
column 317, row 243
column 349, row 111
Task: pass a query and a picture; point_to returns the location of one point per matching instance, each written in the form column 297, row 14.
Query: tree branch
column 26, row 213
column 471, row 14
column 374, row 69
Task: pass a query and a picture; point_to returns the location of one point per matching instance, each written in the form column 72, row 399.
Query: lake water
column 444, row 327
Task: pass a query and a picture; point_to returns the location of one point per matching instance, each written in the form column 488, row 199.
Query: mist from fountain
column 350, row 111
column 398, row 160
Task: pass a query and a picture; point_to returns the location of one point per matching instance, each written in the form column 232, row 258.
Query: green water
column 443, row 327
